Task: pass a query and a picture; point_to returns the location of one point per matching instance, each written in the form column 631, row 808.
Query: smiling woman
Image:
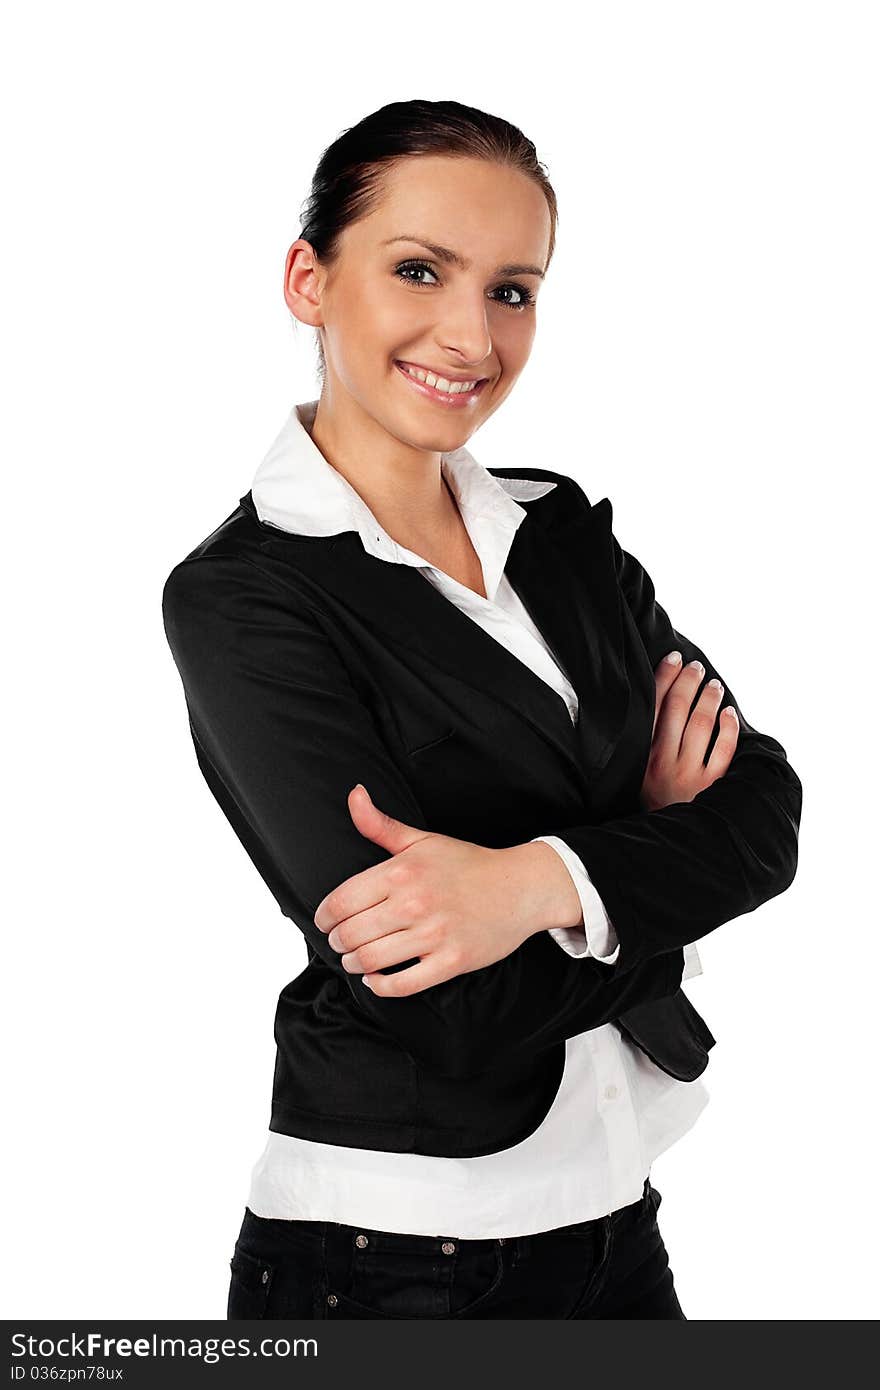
column 432, row 701
column 452, row 391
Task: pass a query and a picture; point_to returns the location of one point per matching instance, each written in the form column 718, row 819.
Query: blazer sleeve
column 669, row 877
column 281, row 736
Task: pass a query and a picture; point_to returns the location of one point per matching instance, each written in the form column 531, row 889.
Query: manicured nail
column 698, row 666
column 728, row 709
column 673, row 658
column 716, row 684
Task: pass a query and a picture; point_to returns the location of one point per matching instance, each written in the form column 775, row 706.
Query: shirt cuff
column 597, row 938
column 692, row 965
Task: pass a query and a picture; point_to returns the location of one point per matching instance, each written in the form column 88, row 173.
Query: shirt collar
column 298, row 490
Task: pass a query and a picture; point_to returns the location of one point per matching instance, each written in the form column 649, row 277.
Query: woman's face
column 391, row 299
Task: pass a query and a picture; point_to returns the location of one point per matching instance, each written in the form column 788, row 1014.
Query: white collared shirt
column 615, row 1111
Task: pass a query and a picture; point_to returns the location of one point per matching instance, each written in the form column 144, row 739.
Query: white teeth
column 452, row 388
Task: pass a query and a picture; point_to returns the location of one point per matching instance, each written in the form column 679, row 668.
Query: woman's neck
column 403, row 487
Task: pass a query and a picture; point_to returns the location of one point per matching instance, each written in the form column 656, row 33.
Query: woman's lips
column 451, row 402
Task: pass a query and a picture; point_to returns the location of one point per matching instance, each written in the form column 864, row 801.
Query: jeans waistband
column 321, row 1231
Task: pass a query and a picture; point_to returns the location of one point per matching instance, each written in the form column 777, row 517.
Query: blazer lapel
column 568, row 582
column 578, row 615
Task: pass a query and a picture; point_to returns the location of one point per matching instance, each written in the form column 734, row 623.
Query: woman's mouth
column 451, row 394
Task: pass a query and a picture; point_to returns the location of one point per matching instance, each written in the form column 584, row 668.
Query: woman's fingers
column 725, row 744
column 664, row 675
column 671, row 720
column 385, row 950
column 701, row 724
column 683, row 726
column 380, row 922
column 412, row 981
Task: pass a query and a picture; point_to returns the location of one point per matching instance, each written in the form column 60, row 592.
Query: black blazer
column 308, row 665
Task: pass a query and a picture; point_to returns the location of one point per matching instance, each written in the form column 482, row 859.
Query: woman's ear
column 303, row 282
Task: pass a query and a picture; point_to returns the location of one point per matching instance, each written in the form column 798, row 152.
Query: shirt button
column 332, row 1300
column 361, row 1241
column 448, row 1247
column 610, row 1092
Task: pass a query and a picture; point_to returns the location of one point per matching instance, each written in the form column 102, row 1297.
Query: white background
column 706, row 356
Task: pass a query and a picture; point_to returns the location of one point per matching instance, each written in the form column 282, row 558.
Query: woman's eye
column 408, row 269
column 525, row 296
column 413, row 265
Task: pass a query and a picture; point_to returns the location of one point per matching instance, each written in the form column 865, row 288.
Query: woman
column 491, row 802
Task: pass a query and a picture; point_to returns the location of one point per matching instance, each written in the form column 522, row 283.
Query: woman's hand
column 453, row 906
column 457, row 905
column 676, row 771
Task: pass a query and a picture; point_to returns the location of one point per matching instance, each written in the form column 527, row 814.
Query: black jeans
column 613, row 1267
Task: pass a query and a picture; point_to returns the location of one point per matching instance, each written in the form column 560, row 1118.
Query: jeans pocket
column 476, row 1277
column 250, row 1284
column 601, row 1243
column 399, row 1276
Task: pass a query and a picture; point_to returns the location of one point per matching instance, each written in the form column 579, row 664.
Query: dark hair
column 347, row 182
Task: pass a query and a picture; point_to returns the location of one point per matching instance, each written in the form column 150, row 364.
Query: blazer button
column 448, row 1247
column 361, row 1241
column 265, row 1276
column 332, row 1300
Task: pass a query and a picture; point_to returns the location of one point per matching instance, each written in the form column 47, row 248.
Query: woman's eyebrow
column 443, row 253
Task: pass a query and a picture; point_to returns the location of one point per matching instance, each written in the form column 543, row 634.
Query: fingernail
column 728, row 709
column 673, row 658
column 698, row 666
column 716, row 684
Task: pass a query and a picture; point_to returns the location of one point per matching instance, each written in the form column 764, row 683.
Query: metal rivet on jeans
column 448, row 1247
column 332, row 1300
column 361, row 1241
